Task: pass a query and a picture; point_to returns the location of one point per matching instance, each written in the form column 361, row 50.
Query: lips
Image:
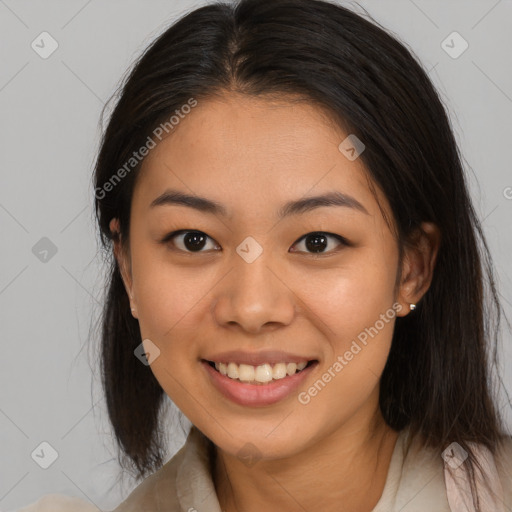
column 257, row 394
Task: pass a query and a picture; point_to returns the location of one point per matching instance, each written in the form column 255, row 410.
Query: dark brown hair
column 437, row 379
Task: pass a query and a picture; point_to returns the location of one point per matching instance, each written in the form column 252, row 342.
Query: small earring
column 412, row 306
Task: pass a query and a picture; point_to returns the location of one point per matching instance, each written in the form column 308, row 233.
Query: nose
column 253, row 297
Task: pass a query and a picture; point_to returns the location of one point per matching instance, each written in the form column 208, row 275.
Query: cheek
column 353, row 306
column 169, row 297
column 357, row 320
column 170, row 302
column 349, row 298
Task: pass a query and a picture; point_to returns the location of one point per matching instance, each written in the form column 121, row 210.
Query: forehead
column 254, row 153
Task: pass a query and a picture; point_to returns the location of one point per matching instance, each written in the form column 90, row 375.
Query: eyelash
column 343, row 241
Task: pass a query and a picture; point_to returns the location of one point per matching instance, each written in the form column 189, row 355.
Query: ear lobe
column 420, row 255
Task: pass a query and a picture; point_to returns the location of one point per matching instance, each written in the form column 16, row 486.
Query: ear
column 418, row 264
column 124, row 264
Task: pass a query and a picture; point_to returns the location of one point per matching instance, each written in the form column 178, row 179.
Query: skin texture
column 252, row 155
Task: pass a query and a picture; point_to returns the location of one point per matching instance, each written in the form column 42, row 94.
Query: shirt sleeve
column 59, row 503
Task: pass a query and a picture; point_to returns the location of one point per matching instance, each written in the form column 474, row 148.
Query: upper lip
column 257, row 358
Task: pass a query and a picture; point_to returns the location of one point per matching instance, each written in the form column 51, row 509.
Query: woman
column 298, row 266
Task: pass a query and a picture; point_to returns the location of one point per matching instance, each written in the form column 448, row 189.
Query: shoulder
column 504, row 456
column 59, row 503
column 426, row 477
column 158, row 491
column 419, row 476
column 503, row 461
column 183, row 481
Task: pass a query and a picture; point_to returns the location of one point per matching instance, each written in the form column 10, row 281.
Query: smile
column 245, row 389
column 260, row 374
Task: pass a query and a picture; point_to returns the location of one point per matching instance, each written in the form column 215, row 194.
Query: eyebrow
column 306, row 204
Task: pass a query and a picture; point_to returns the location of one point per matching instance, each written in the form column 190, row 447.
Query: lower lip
column 257, row 394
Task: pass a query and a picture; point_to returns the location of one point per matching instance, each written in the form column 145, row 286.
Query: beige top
column 184, row 484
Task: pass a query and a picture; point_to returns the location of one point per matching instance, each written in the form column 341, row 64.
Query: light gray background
column 49, row 134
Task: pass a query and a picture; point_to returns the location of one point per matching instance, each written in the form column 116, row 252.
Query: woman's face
column 255, row 282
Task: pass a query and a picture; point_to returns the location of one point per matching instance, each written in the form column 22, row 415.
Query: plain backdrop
column 51, row 272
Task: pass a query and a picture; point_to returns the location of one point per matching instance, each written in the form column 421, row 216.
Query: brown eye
column 318, row 241
column 189, row 241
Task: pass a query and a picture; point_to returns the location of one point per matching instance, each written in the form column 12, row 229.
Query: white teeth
column 279, row 371
column 263, row 373
column 291, row 368
column 246, row 373
column 233, row 372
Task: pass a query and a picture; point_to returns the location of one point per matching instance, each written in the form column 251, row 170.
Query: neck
column 347, row 468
